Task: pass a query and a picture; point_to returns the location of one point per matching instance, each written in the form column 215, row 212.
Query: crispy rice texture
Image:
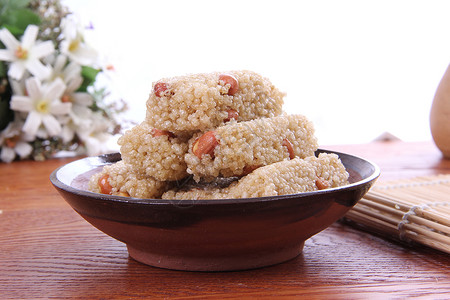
column 281, row 178
column 124, row 179
column 201, row 102
column 258, row 150
column 253, row 144
column 161, row 157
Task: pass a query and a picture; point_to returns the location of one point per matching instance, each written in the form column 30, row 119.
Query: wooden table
column 48, row 251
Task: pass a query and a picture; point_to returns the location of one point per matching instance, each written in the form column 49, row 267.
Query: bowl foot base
column 215, row 263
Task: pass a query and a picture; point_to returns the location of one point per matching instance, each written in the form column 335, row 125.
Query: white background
column 355, row 68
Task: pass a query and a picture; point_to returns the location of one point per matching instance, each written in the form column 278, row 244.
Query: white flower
column 71, row 75
column 78, row 121
column 14, row 142
column 74, row 45
column 67, row 133
column 67, row 72
column 25, row 55
column 76, row 98
column 96, row 136
column 18, row 87
column 42, row 104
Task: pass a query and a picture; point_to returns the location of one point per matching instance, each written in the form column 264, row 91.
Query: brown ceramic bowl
column 212, row 235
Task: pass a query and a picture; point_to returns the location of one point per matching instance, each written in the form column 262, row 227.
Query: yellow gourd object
column 440, row 115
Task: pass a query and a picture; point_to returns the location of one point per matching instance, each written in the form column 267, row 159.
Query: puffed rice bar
column 282, row 178
column 237, row 148
column 154, row 152
column 124, row 181
column 207, row 100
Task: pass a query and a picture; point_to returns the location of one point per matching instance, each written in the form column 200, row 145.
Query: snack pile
column 218, row 135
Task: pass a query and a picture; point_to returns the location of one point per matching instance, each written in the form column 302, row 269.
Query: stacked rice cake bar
column 213, row 126
column 121, row 180
column 237, row 148
column 280, row 178
column 201, row 102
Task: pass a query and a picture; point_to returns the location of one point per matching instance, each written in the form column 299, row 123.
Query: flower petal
column 58, row 108
column 84, row 99
column 84, row 55
column 16, row 70
column 59, row 64
column 29, row 36
column 23, row 149
column 74, row 84
column 7, row 154
column 68, row 27
column 42, row 49
column 37, row 68
column 67, row 134
column 81, row 117
column 51, row 124
column 8, row 39
column 42, row 133
column 33, row 88
column 28, row 138
column 7, row 55
column 32, row 123
column 64, row 46
column 21, row 103
column 92, row 145
column 71, row 71
column 54, row 90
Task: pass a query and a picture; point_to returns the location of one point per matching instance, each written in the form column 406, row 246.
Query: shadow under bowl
column 212, row 235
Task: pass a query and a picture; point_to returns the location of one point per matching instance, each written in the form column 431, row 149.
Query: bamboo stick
column 394, row 208
column 415, row 209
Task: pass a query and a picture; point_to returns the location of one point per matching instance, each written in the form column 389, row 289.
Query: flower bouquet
column 50, row 99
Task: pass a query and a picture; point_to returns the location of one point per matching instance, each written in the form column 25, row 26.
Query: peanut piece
column 103, row 183
column 160, row 89
column 232, row 114
column 205, row 144
column 322, row 183
column 158, row 132
column 226, row 79
column 287, row 143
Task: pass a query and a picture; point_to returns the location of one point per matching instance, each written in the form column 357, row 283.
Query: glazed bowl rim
column 104, row 159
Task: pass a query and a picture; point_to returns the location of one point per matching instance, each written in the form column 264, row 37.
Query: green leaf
column 89, row 74
column 2, row 70
column 20, row 3
column 6, row 114
column 16, row 31
column 14, row 4
column 18, row 20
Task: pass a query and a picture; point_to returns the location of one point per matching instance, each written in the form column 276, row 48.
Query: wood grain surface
column 48, row 251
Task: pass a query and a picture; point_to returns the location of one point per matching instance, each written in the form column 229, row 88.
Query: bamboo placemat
column 412, row 210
